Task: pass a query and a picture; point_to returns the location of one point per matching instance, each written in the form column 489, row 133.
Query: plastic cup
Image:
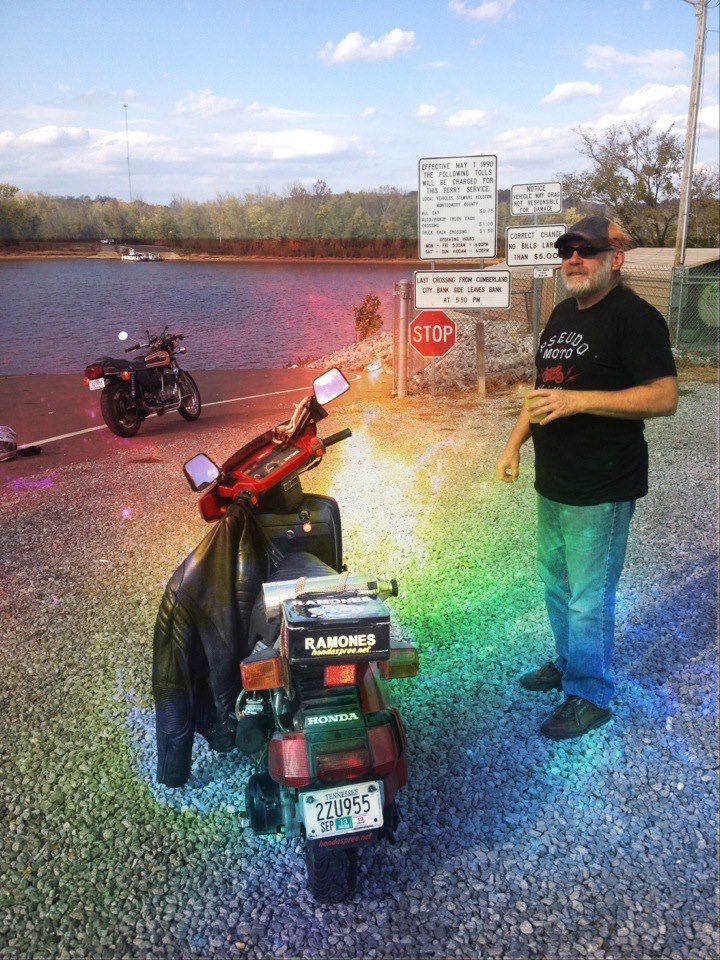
column 529, row 400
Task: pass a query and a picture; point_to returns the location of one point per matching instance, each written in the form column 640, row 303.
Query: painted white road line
column 212, row 403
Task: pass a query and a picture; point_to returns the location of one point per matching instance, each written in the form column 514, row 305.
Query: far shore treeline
column 301, row 222
column 380, row 223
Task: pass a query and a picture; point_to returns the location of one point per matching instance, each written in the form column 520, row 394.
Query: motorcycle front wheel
column 331, row 874
column 119, row 410
column 190, row 405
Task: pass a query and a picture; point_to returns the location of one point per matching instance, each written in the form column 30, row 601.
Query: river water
column 58, row 315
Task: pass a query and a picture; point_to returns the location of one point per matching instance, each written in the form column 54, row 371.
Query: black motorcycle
column 152, row 383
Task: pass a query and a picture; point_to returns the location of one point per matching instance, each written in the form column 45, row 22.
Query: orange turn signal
column 125, row 375
column 403, row 661
column 266, row 670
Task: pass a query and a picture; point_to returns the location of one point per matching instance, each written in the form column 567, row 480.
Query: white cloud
column 488, row 10
column 264, row 112
column 354, row 46
column 654, row 64
column 468, row 118
column 654, row 96
column 654, row 103
column 368, row 112
column 52, row 135
column 548, row 145
column 709, row 118
column 278, row 145
column 204, row 103
column 572, row 90
column 426, row 110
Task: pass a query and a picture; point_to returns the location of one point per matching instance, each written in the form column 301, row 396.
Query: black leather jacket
column 201, row 635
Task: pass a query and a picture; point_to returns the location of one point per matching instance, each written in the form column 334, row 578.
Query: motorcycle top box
column 335, row 628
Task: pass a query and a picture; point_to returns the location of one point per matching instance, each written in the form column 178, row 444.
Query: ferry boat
column 140, row 256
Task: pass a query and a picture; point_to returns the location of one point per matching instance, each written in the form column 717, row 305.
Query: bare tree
column 635, row 175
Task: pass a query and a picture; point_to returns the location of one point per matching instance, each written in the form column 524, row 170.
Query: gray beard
column 587, row 286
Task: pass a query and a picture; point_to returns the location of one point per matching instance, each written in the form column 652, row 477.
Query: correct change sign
column 532, row 198
column 457, row 207
column 462, row 289
column 533, row 246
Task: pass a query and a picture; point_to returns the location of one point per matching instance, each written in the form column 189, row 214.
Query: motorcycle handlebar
column 337, row 437
column 151, row 340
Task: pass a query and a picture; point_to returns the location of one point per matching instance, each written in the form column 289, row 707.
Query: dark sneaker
column 572, row 718
column 548, row 677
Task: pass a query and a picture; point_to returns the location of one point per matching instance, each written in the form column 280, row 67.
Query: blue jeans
column 581, row 551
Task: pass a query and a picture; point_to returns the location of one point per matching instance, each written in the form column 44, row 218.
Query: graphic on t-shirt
column 561, row 346
column 556, row 375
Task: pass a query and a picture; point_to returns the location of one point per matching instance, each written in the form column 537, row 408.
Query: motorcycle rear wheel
column 331, row 874
column 190, row 403
column 119, row 410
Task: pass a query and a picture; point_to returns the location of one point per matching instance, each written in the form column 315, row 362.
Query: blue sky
column 228, row 96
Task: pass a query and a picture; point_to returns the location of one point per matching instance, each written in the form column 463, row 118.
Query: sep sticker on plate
column 330, row 812
column 97, row 384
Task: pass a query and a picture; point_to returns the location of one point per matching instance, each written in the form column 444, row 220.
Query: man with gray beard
column 604, row 365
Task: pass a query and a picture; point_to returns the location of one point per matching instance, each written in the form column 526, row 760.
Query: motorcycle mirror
column 200, row 471
column 122, row 335
column 329, row 385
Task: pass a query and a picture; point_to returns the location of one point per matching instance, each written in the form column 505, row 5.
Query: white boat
column 140, row 256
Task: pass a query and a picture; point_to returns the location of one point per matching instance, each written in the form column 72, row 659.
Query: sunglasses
column 583, row 250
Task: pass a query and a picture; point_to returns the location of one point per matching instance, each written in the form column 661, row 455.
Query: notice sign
column 533, row 246
column 462, row 289
column 457, row 208
column 531, row 198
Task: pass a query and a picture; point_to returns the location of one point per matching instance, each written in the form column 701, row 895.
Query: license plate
column 348, row 809
column 97, row 384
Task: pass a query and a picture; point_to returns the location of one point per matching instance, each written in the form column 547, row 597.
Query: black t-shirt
column 618, row 343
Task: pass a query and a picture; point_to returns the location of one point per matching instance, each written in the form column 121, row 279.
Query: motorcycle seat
column 300, row 564
column 122, row 363
column 292, row 567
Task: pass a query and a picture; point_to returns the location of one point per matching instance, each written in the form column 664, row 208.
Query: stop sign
column 432, row 333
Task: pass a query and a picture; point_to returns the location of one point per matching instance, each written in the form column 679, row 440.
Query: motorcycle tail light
column 339, row 675
column 343, row 764
column 403, row 661
column 288, row 760
column 267, row 671
column 382, row 748
column 94, row 371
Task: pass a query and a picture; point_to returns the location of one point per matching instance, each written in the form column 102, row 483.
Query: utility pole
column 691, row 133
column 127, row 143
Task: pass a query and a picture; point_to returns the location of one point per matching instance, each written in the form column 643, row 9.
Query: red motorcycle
column 314, row 712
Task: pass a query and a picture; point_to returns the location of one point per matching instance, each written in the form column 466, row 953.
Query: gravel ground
column 510, row 846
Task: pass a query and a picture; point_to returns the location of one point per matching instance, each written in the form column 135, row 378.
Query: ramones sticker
column 340, row 643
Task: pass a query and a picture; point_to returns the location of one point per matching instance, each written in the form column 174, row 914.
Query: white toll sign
column 457, row 208
column 462, row 289
column 533, row 246
column 532, row 198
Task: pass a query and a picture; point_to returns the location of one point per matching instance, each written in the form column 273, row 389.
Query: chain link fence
column 687, row 297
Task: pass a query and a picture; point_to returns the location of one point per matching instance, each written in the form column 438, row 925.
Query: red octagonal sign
column 432, row 333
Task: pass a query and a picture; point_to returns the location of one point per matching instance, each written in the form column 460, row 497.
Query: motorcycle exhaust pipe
column 275, row 593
